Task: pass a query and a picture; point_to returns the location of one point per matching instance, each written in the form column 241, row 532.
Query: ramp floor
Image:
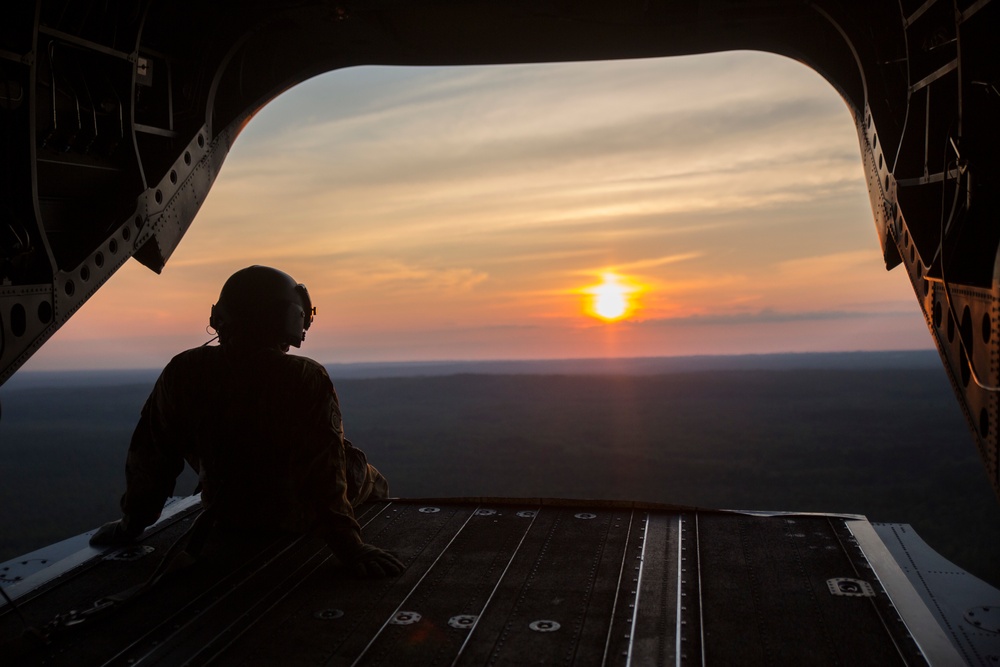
column 490, row 582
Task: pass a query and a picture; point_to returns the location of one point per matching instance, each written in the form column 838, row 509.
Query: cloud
column 652, row 262
column 371, row 153
column 836, row 264
column 401, row 277
column 770, row 316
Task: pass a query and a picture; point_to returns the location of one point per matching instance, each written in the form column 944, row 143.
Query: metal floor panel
column 494, row 582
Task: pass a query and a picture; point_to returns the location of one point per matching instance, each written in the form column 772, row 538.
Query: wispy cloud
column 771, row 316
column 654, row 262
column 401, row 277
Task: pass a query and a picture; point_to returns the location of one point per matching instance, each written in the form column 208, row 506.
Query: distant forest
column 889, row 443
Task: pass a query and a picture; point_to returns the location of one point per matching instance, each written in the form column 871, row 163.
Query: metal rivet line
column 638, row 590
column 399, row 608
column 496, row 587
column 621, row 575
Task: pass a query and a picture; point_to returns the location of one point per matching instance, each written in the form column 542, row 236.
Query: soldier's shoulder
column 196, row 355
column 189, row 361
column 307, row 365
column 308, row 375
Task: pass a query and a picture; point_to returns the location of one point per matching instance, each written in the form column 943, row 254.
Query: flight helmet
column 261, row 305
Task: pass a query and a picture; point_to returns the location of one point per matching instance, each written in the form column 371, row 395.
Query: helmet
column 263, row 305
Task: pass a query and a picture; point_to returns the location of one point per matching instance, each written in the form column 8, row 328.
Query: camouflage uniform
column 263, row 430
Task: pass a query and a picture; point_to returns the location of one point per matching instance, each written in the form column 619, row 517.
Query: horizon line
column 526, row 360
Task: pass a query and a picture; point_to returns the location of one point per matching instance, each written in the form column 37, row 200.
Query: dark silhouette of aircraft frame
column 116, row 117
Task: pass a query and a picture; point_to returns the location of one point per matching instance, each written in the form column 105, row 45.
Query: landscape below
column 878, row 434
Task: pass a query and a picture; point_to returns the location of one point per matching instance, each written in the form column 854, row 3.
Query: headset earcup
column 294, row 334
column 309, row 312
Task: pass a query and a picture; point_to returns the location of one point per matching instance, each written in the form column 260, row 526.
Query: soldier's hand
column 113, row 533
column 373, row 563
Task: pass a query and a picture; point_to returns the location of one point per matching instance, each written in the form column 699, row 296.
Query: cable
column 909, row 95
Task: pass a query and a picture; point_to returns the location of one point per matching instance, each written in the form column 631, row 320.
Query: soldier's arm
column 325, row 470
column 151, row 469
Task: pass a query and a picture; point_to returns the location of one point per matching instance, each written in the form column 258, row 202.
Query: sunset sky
column 471, row 213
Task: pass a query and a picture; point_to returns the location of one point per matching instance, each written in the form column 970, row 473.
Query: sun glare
column 612, row 299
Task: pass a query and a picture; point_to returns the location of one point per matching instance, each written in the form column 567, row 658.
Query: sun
column 612, row 299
